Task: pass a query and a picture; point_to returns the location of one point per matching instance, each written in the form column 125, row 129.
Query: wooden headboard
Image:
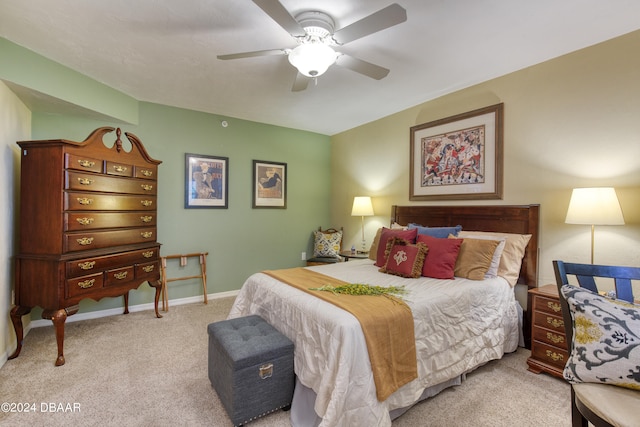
column 522, row 219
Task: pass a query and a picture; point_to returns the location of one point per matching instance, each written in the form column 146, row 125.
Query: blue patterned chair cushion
column 606, row 340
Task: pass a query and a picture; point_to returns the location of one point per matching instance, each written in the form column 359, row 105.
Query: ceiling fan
column 315, row 34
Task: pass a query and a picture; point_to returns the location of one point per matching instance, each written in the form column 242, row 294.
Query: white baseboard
column 132, row 309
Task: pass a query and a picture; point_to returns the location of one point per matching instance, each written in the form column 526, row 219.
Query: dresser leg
column 158, row 285
column 59, row 317
column 126, row 303
column 16, row 318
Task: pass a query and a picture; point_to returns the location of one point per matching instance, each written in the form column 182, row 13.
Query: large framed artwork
column 458, row 157
column 269, row 184
column 206, row 181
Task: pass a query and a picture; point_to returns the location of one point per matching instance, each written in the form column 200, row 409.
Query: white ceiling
column 164, row 51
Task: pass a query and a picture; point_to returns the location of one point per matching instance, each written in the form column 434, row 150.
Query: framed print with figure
column 269, row 184
column 458, row 157
column 206, row 181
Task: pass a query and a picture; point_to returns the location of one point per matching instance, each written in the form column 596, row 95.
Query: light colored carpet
column 136, row 370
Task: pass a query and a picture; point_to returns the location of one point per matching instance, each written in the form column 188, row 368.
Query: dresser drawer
column 75, row 201
column 145, row 172
column 549, row 321
column 549, row 354
column 548, row 336
column 119, row 276
column 84, row 285
column 104, row 239
column 149, row 271
column 81, row 267
column 83, row 163
column 119, row 169
column 548, row 305
column 108, row 184
column 76, row 221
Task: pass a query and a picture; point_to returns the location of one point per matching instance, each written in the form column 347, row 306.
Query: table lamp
column 362, row 207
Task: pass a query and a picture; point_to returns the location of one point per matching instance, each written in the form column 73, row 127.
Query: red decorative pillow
column 404, row 259
column 440, row 262
column 387, row 233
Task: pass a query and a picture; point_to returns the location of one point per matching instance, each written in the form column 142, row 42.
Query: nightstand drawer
column 549, row 321
column 549, row 354
column 548, row 305
column 550, row 337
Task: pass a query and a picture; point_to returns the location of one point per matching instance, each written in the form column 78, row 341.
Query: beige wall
column 15, row 125
column 570, row 122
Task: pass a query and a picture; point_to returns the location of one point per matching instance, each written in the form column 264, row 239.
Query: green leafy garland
column 391, row 292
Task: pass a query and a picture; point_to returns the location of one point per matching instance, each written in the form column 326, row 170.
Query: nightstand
column 549, row 349
column 355, row 255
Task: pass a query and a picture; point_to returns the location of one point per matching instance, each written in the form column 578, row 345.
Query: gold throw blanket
column 387, row 326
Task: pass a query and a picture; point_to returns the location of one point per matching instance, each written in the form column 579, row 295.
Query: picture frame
column 269, row 184
column 458, row 157
column 206, row 182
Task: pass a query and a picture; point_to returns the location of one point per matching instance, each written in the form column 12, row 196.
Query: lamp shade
column 312, row 59
column 594, row 206
column 362, row 206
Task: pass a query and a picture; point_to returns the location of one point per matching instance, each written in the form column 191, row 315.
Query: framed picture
column 269, row 184
column 458, row 157
column 206, row 181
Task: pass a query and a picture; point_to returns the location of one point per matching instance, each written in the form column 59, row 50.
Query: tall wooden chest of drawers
column 548, row 341
column 87, row 226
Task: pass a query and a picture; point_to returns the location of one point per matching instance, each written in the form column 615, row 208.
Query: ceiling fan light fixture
column 312, row 59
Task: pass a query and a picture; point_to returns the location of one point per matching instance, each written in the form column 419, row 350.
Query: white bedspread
column 459, row 325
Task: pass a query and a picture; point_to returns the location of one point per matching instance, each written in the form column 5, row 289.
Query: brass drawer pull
column 146, row 172
column 146, row 203
column 147, row 254
column 84, row 241
column 146, row 218
column 554, row 306
column 148, row 268
column 146, row 187
column 86, row 163
column 85, row 200
column 555, row 322
column 87, row 283
column 87, row 265
column 119, row 168
column 85, row 220
column 85, row 181
column 555, row 338
column 146, row 234
column 555, row 356
column 121, row 275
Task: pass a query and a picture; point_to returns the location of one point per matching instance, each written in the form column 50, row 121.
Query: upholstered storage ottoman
column 250, row 367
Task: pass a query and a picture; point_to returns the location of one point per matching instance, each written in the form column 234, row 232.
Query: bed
column 458, row 324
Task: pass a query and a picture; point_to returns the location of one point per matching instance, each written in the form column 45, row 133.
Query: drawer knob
column 85, row 221
column 554, row 306
column 87, row 265
column 86, row 163
column 85, row 241
column 146, row 172
column 147, row 254
column 119, row 168
column 85, row 200
column 146, row 218
column 146, row 234
column 555, row 322
column 555, row 356
column 146, row 187
column 121, row 275
column 87, row 283
column 555, row 338
column 148, row 268
column 146, row 203
column 85, row 181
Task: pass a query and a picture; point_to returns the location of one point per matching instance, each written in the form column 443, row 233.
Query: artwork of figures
column 453, row 158
column 269, row 184
column 458, row 157
column 206, row 181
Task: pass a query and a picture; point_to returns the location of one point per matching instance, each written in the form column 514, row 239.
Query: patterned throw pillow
column 606, row 333
column 327, row 244
column 385, row 236
column 404, row 259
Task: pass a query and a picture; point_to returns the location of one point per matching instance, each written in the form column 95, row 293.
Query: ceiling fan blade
column 269, row 52
column 363, row 67
column 278, row 13
column 300, row 83
column 384, row 18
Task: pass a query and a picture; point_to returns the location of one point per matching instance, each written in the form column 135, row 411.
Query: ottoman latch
column 266, row 370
